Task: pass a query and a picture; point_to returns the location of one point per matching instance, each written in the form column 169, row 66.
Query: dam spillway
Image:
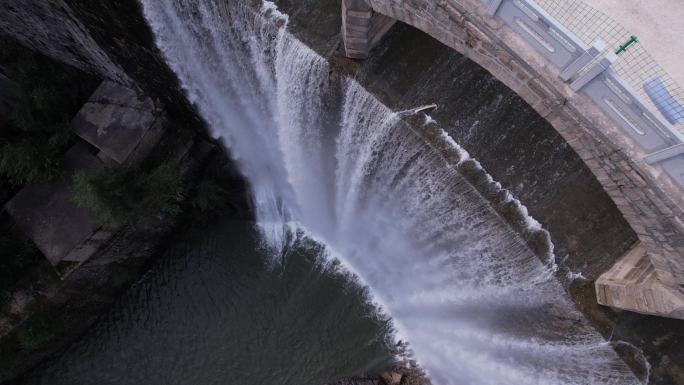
column 546, row 67
column 325, row 158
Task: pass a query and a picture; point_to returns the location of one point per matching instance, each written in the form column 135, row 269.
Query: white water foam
column 476, row 305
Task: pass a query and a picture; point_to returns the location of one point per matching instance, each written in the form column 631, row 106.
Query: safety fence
column 599, row 57
column 635, row 65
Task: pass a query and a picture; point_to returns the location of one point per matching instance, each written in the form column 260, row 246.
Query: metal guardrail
column 632, row 88
column 635, row 65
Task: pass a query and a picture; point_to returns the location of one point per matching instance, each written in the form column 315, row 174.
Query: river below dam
column 365, row 237
column 216, row 309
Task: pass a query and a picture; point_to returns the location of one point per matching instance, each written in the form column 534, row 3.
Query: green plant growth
column 36, row 137
column 208, row 200
column 37, row 133
column 209, row 196
column 34, row 332
column 16, row 256
column 119, row 195
column 33, row 157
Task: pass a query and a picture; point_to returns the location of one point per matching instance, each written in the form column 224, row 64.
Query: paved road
column 659, row 24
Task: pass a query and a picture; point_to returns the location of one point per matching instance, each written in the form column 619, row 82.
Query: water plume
column 405, row 209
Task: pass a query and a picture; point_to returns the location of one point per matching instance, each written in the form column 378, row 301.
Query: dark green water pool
column 218, row 309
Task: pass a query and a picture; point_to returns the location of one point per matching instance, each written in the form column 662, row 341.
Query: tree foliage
column 36, row 135
column 209, row 196
column 33, row 157
column 119, row 195
column 16, row 255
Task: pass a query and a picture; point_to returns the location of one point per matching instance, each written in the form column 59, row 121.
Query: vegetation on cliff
column 37, row 132
column 16, row 256
column 120, row 195
column 33, row 139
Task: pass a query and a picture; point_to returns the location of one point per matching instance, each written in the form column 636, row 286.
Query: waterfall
column 323, row 156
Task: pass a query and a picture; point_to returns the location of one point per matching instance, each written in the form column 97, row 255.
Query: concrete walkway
column 659, row 24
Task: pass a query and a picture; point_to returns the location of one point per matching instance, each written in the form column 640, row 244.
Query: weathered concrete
column 120, row 122
column 650, row 201
column 362, row 28
column 632, row 282
column 657, row 23
column 65, row 233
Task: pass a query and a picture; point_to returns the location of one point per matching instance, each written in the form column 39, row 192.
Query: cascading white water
column 476, row 305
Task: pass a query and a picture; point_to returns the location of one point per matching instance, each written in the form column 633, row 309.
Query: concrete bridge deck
column 600, row 117
column 657, row 23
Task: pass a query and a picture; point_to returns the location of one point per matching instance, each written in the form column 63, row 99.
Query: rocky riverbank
column 407, row 69
column 80, row 263
column 46, row 313
column 405, row 373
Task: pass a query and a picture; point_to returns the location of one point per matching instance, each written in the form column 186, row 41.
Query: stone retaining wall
column 649, row 200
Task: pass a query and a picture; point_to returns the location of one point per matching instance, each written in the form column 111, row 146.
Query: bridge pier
column 362, row 28
column 633, row 284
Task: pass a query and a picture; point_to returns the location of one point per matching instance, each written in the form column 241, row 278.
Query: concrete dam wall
column 649, row 279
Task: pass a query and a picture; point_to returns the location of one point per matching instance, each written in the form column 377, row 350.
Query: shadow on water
column 217, row 309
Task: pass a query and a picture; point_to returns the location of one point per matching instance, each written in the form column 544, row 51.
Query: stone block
column 46, row 213
column 455, row 15
column 632, row 284
column 528, row 94
column 359, row 21
column 357, row 5
column 119, row 122
column 362, row 28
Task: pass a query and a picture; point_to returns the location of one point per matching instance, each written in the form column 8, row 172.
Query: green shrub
column 209, row 196
column 37, row 133
column 118, row 195
column 16, row 255
column 37, row 136
column 34, row 332
column 33, row 157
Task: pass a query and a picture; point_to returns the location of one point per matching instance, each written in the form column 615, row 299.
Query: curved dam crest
column 475, row 303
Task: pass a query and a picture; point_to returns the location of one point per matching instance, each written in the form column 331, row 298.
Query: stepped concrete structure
column 362, row 28
column 124, row 125
column 119, row 126
column 64, row 232
column 633, row 152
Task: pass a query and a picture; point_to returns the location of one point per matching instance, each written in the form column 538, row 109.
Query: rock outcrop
column 123, row 126
column 120, row 122
column 406, row 373
column 66, row 234
column 8, row 97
